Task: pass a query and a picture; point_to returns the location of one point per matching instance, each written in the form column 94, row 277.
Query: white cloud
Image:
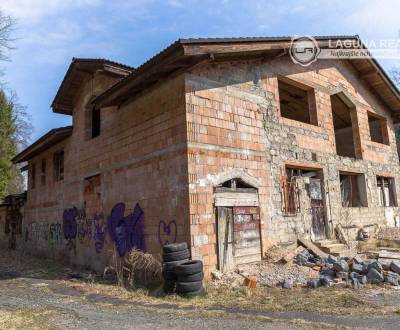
column 33, row 10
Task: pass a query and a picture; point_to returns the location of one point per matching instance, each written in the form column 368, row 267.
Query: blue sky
column 51, row 32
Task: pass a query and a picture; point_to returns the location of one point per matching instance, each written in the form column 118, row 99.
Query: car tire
column 176, row 256
column 191, row 278
column 199, row 293
column 169, row 286
column 170, row 266
column 169, row 275
column 184, row 287
column 168, row 248
column 189, row 267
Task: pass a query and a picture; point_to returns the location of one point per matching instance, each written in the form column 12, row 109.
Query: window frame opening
column 43, row 172
column 58, row 164
column 95, row 122
column 378, row 131
column 297, row 101
column 353, row 189
column 345, row 126
column 386, row 190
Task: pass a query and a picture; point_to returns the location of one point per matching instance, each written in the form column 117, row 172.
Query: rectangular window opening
column 96, row 122
column 43, row 172
column 59, row 166
column 378, row 129
column 33, row 176
column 353, row 190
column 386, row 191
column 297, row 103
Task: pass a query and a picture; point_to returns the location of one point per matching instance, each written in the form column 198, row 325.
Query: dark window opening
column 33, row 176
column 378, row 129
column 386, row 191
column 59, row 166
column 96, row 122
column 236, row 183
column 297, row 103
column 343, row 126
column 353, row 190
column 43, row 172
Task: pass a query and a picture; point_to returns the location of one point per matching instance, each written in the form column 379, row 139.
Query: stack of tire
column 173, row 255
column 190, row 279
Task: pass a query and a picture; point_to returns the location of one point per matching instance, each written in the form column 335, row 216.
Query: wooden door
column 317, row 209
column 225, row 239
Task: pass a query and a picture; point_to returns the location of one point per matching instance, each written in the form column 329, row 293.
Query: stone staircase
column 333, row 247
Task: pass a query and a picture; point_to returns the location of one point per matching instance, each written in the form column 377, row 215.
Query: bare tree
column 395, row 75
column 7, row 24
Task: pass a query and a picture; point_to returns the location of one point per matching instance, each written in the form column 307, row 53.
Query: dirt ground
column 41, row 294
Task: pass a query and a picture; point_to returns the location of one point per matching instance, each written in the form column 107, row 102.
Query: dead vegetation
column 26, row 319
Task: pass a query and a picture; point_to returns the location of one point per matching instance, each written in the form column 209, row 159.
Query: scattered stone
column 358, row 268
column 331, row 259
column 328, row 272
column 375, row 265
column 392, row 280
column 374, row 276
column 287, row 284
column 326, row 281
column 362, row 279
column 355, row 283
column 395, row 267
column 309, row 264
column 341, row 266
column 314, row 283
column 358, row 260
column 343, row 275
column 216, row 275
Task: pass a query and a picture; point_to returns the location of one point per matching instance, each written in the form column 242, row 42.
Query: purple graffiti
column 167, row 232
column 127, row 232
column 70, row 226
column 99, row 232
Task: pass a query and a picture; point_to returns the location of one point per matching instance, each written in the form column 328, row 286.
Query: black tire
column 191, row 278
column 184, row 287
column 169, row 286
column 168, row 248
column 170, row 266
column 189, row 267
column 199, row 293
column 169, row 275
column 176, row 256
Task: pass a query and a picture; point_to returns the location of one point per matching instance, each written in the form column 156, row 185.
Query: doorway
column 238, row 224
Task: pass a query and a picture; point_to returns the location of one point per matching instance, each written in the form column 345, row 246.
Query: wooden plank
column 246, row 210
column 312, row 247
column 389, row 255
column 247, row 259
column 236, row 199
column 248, row 251
column 251, row 225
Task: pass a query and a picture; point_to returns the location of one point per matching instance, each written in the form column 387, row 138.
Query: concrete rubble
column 351, row 272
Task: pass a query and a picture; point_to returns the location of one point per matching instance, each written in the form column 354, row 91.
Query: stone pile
column 353, row 272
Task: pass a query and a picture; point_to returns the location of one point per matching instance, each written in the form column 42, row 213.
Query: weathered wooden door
column 317, row 209
column 225, row 238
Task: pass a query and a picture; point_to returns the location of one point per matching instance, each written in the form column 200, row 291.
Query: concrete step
column 334, row 248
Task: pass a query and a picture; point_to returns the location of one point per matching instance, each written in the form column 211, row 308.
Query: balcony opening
column 297, row 102
column 345, row 125
column 378, row 129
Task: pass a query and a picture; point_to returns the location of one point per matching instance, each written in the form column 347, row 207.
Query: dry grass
column 26, row 319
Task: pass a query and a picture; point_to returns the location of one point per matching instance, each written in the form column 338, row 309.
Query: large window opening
column 378, row 129
column 386, row 191
column 353, row 190
column 297, row 102
column 343, row 115
column 96, row 122
column 58, row 166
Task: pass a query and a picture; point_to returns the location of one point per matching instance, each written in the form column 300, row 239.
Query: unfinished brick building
column 223, row 143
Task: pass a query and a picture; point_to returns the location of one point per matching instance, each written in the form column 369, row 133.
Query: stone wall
column 234, row 122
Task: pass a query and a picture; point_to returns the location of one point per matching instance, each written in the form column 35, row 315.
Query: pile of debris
column 354, row 272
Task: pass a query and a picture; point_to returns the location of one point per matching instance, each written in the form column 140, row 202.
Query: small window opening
column 33, row 176
column 353, row 190
column 43, row 172
column 386, row 191
column 59, row 166
column 378, row 129
column 297, row 103
column 236, row 183
column 96, row 122
column 343, row 125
